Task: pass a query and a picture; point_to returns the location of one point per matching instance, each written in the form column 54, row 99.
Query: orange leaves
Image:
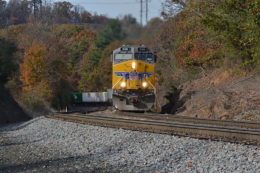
column 196, row 48
column 196, row 44
column 197, row 51
column 34, row 67
column 52, row 59
column 34, row 71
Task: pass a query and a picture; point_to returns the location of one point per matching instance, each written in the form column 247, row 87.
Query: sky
column 116, row 8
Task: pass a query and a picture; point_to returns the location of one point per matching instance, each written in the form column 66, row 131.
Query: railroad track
column 169, row 117
column 203, row 130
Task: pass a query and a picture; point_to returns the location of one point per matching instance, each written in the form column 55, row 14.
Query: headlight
column 123, row 84
column 144, row 84
column 133, row 65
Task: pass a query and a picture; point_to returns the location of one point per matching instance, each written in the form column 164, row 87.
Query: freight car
column 133, row 78
column 92, row 97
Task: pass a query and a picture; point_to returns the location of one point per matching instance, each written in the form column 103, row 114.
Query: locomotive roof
column 133, row 49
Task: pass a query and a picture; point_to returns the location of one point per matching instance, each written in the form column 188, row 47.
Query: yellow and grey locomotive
column 133, row 81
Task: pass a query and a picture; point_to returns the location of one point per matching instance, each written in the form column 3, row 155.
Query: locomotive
column 133, row 78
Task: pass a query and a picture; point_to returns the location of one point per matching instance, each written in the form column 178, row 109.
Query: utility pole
column 141, row 12
column 146, row 10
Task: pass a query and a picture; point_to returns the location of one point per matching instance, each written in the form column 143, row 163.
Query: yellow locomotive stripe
column 140, row 67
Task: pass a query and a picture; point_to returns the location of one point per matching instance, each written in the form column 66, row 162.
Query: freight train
column 133, row 80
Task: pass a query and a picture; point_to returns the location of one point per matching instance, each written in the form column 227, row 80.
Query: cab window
column 144, row 57
column 123, row 57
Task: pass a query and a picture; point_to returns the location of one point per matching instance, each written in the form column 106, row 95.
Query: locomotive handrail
column 151, row 84
column 117, row 82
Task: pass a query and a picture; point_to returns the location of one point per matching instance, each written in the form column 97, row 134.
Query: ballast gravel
column 48, row 145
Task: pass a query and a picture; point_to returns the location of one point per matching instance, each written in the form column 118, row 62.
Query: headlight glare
column 123, row 84
column 133, row 65
column 144, row 84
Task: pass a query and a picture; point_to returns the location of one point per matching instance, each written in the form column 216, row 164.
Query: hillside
column 218, row 96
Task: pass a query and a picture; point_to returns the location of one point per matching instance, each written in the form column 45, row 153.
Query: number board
column 125, row 49
column 142, row 49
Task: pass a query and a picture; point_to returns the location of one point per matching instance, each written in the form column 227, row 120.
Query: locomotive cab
column 133, row 78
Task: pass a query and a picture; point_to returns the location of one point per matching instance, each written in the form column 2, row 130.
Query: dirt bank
column 10, row 111
column 218, row 96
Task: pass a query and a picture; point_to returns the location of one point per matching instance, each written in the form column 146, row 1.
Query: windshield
column 144, row 56
column 123, row 57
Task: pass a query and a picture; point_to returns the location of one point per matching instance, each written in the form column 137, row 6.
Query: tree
column 97, row 76
column 14, row 12
column 105, row 65
column 85, row 17
column 151, row 28
column 7, row 62
column 238, row 22
column 62, row 11
column 2, row 13
column 34, row 67
column 2, row 4
column 113, row 31
column 45, row 71
column 80, row 44
column 36, row 6
column 18, row 11
column 128, row 20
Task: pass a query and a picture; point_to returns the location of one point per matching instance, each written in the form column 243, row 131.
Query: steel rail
column 160, row 122
column 231, row 134
column 169, row 117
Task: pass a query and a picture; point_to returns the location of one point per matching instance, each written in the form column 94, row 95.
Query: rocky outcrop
column 10, row 111
column 221, row 97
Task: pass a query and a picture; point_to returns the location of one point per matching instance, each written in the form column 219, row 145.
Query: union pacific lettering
column 133, row 75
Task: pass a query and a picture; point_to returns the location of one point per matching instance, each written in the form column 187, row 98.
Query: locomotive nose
column 133, row 65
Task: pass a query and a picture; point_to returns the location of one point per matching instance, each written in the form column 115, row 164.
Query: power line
column 109, row 3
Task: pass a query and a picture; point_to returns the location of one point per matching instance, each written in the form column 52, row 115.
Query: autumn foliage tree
column 77, row 42
column 238, row 22
column 33, row 69
column 36, row 89
column 44, row 74
column 94, row 76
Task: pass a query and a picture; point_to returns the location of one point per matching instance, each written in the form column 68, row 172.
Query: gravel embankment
column 46, row 145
